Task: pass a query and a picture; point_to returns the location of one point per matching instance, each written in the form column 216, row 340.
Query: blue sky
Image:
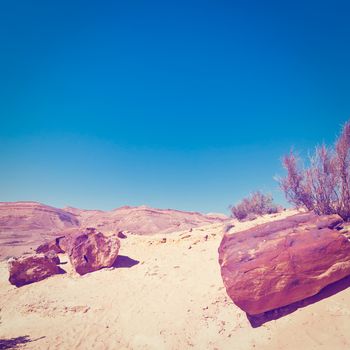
column 184, row 104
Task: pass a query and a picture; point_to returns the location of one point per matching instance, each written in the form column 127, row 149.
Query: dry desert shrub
column 254, row 205
column 323, row 186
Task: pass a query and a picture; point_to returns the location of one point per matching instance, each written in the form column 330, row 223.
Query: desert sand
column 161, row 294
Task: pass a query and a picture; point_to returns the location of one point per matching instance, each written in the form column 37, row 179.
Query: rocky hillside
column 26, row 216
column 24, row 225
column 143, row 220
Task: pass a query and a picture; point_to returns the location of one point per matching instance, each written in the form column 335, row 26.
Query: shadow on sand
column 124, row 261
column 334, row 288
column 16, row 343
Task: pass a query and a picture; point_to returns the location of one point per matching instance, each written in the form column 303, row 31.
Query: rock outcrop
column 281, row 262
column 90, row 250
column 32, row 268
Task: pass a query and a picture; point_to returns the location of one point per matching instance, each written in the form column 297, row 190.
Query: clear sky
column 172, row 104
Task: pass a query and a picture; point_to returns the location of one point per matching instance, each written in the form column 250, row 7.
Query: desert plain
column 164, row 291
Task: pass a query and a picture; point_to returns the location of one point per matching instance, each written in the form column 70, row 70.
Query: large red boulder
column 32, row 268
column 281, row 262
column 90, row 250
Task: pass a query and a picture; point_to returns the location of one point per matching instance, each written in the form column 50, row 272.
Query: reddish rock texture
column 32, row 268
column 53, row 256
column 281, row 262
column 89, row 250
column 51, row 246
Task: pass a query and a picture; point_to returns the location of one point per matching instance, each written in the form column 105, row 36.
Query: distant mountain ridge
column 28, row 216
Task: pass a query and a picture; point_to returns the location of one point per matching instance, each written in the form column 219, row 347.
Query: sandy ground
column 173, row 298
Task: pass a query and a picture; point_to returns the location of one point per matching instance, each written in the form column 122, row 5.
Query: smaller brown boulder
column 90, row 250
column 32, row 268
